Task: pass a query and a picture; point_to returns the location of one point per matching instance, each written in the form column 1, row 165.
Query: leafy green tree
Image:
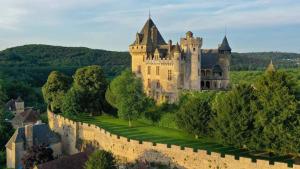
column 277, row 121
column 37, row 154
column 71, row 104
column 195, row 114
column 6, row 129
column 101, row 159
column 54, row 90
column 126, row 94
column 90, row 84
column 233, row 122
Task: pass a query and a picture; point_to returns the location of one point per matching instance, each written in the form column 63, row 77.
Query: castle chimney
column 170, row 45
column 29, row 135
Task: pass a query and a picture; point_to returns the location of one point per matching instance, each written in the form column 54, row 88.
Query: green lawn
column 145, row 132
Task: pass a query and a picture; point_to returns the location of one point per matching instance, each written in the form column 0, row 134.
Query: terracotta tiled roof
column 29, row 115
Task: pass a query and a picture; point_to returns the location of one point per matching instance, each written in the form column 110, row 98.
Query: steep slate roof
column 29, row 115
column 146, row 33
column 225, row 45
column 76, row 161
column 217, row 69
column 10, row 105
column 41, row 134
column 19, row 99
column 209, row 58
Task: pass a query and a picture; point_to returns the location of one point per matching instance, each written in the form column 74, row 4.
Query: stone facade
column 25, row 137
column 73, row 133
column 166, row 69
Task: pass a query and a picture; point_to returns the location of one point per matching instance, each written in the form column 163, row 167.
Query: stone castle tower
column 166, row 68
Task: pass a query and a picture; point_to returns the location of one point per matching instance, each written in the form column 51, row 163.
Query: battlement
column 181, row 157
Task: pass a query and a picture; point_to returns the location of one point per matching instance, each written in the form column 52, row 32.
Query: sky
column 250, row 26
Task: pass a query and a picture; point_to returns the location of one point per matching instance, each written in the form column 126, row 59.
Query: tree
column 101, row 159
column 54, row 90
column 71, row 104
column 195, row 113
column 37, row 154
column 126, row 94
column 90, row 84
column 277, row 120
column 233, row 122
column 6, row 129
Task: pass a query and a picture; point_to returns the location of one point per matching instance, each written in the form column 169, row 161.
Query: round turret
column 189, row 34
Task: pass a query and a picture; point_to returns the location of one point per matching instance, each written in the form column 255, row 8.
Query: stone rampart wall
column 72, row 132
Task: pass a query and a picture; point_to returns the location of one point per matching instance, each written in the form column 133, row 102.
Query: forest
column 24, row 69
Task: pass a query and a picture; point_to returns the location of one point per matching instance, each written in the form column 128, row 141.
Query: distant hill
column 259, row 60
column 57, row 56
column 46, row 55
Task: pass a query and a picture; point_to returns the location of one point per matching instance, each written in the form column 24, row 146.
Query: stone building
column 28, row 116
column 25, row 137
column 22, row 115
column 15, row 105
column 167, row 68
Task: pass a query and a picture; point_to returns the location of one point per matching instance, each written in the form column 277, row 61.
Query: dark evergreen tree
column 195, row 114
column 277, row 120
column 234, row 119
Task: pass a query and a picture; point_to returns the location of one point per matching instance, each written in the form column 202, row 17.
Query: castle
column 167, row 69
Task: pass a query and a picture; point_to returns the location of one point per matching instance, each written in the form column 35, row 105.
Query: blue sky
column 254, row 25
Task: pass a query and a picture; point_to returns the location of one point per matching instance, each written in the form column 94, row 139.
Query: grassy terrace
column 145, row 132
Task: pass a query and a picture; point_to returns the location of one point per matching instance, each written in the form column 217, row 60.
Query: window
column 149, row 70
column 194, row 49
column 158, row 84
column 157, row 70
column 167, row 98
column 139, row 69
column 202, row 73
column 208, row 85
column 202, row 84
column 169, row 74
column 149, row 83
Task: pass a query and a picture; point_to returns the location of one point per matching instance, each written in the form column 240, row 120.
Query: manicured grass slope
column 145, row 132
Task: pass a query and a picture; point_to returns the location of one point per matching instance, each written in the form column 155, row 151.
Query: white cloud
column 48, row 20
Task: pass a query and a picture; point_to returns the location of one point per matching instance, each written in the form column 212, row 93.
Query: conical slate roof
column 225, row 45
column 19, row 99
column 147, row 33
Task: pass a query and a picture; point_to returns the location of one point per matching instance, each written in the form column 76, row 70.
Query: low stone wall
column 72, row 132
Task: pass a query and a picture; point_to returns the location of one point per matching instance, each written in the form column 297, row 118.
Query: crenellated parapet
column 173, row 155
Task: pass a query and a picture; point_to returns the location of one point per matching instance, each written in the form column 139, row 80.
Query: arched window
column 207, row 84
column 202, row 72
column 202, row 84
